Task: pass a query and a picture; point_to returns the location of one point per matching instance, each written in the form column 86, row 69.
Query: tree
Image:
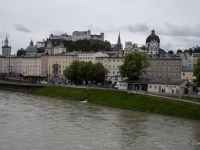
column 77, row 71
column 134, row 65
column 196, row 72
column 97, row 73
column 171, row 52
column 21, row 52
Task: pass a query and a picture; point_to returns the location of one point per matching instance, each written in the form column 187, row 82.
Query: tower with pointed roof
column 119, row 47
column 6, row 49
column 153, row 43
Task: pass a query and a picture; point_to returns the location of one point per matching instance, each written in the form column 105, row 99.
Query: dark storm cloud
column 21, row 27
column 137, row 27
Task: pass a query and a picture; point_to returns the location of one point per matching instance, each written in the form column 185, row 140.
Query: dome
column 31, row 48
column 152, row 36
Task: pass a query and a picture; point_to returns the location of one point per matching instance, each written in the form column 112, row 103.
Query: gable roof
column 166, row 81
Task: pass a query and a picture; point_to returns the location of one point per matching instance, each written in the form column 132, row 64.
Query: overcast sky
column 176, row 22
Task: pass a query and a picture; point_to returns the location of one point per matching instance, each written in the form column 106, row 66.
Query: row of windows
column 113, row 66
column 116, row 60
column 63, row 62
column 62, row 57
column 85, row 57
column 163, row 68
column 163, row 74
column 165, row 63
column 113, row 72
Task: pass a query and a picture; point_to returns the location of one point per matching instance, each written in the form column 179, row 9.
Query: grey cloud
column 170, row 29
column 137, row 27
column 21, row 27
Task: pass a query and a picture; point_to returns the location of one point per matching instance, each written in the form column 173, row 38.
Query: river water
column 31, row 122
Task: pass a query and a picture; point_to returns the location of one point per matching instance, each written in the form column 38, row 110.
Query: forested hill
column 84, row 46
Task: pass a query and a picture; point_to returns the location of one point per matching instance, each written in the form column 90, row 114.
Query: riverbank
column 123, row 99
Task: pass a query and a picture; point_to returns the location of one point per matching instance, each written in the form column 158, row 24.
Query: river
column 31, row 122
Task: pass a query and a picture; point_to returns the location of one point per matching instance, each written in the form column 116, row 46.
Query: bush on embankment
column 123, row 99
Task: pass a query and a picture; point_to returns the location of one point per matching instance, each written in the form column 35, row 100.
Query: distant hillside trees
column 21, row 52
column 84, row 46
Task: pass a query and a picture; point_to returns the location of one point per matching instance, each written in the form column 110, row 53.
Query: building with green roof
column 31, row 48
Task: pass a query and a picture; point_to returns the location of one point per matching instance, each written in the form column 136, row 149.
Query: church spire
column 119, row 40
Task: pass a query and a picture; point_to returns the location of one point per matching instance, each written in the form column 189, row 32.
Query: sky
column 176, row 22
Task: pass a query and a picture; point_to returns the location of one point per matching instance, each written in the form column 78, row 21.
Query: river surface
column 31, row 122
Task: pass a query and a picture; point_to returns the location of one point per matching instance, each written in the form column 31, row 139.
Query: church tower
column 153, row 43
column 119, row 47
column 6, row 50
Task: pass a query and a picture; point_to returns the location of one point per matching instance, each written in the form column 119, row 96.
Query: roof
column 196, row 54
column 167, row 81
column 152, row 36
column 187, row 68
column 190, row 84
column 119, row 40
column 64, row 54
column 31, row 48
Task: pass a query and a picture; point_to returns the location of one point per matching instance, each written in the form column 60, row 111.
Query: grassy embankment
column 123, row 99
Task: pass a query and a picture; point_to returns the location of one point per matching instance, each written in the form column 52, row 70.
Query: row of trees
column 134, row 67
column 80, row 71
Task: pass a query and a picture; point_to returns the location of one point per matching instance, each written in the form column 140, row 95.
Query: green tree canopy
column 77, row 71
column 21, row 52
column 97, row 73
column 196, row 72
column 134, row 65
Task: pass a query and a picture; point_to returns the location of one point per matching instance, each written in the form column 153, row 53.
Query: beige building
column 90, row 56
column 187, row 73
column 112, row 65
column 57, row 64
column 195, row 57
column 31, row 65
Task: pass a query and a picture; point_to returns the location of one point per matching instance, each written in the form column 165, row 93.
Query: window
column 177, row 62
column 150, row 86
column 157, row 62
column 172, row 68
column 172, row 74
column 167, row 63
column 177, row 75
column 162, row 62
column 153, row 62
column 177, row 68
column 183, row 74
column 155, row 86
column 172, row 63
column 167, row 68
